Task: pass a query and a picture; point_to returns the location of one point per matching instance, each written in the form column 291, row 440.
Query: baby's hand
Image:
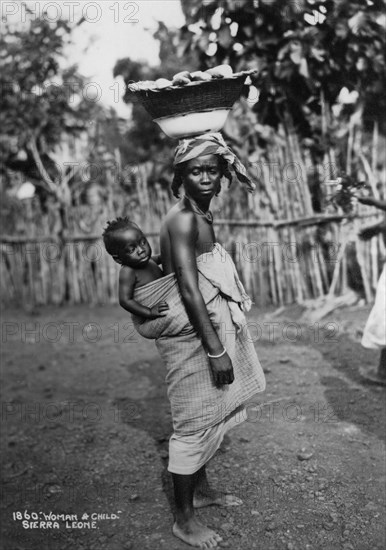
column 159, row 310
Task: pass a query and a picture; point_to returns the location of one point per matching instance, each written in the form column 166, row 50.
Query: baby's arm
column 126, row 290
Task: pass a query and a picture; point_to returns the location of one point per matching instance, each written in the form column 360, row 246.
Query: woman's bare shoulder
column 179, row 217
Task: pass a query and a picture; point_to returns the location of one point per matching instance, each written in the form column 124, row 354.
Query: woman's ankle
column 184, row 516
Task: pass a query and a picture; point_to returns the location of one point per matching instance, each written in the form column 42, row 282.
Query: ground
column 86, row 421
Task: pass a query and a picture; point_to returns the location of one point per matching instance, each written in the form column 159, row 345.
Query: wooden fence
column 279, row 262
column 285, row 252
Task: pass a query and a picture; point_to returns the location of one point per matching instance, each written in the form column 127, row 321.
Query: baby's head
column 126, row 243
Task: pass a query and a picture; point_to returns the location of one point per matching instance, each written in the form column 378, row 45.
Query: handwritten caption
column 42, row 520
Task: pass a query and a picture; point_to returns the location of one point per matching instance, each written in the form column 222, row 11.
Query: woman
column 215, row 372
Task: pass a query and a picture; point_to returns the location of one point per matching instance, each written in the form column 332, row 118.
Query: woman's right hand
column 222, row 370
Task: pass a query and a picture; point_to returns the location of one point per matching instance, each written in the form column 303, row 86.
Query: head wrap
column 212, row 144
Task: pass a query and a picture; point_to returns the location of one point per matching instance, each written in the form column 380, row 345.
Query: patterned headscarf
column 212, row 144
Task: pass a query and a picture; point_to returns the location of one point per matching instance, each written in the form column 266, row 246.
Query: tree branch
column 49, row 186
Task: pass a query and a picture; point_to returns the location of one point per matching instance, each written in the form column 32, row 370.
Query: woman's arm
column 126, row 290
column 183, row 236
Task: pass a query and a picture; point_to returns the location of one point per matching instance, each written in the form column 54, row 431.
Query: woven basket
column 197, row 96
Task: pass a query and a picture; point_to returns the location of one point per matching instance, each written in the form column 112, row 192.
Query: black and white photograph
column 193, row 274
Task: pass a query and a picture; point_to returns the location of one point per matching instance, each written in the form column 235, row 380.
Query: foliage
column 145, row 137
column 302, row 49
column 345, row 195
column 40, row 101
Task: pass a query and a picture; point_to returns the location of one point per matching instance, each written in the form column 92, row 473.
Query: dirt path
column 86, row 420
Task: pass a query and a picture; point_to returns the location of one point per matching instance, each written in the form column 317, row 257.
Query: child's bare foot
column 210, row 497
column 194, row 533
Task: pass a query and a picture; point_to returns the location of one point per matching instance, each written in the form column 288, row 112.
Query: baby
column 126, row 243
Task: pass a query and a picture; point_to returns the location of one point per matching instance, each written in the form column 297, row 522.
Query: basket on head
column 195, row 108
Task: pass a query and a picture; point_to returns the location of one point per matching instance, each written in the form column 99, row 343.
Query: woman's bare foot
column 194, row 533
column 211, row 497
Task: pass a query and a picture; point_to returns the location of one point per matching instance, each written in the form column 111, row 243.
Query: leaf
column 296, row 57
column 202, row 41
column 194, row 10
column 318, row 53
column 248, row 31
column 303, row 68
column 357, row 22
column 224, row 37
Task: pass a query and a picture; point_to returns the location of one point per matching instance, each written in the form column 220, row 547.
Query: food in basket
column 182, row 73
column 221, row 71
column 181, row 78
column 184, row 78
column 163, row 83
column 200, row 75
column 143, row 85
